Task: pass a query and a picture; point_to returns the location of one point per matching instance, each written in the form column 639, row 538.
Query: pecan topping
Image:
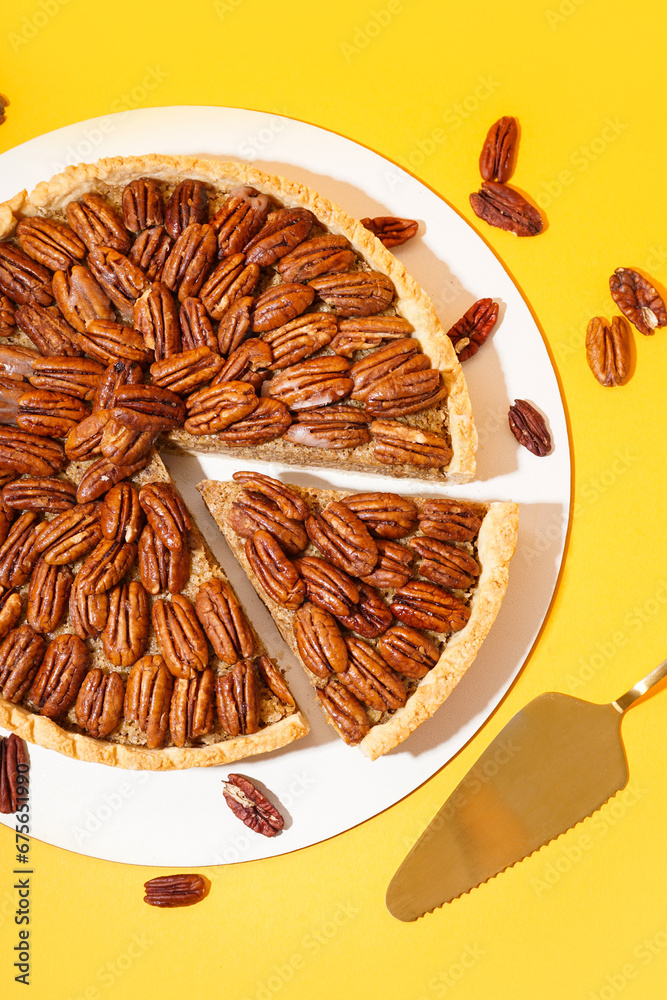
column 191, row 710
column 328, row 254
column 327, row 587
column 529, row 427
column 166, row 513
column 608, row 350
column 160, row 568
column 84, row 440
column 127, row 437
column 405, row 391
column 268, row 421
column 386, row 515
column 21, row 654
column 121, row 515
column 395, row 443
column 274, row 680
column 345, row 712
column 189, row 260
column 319, row 641
column 48, row 330
column 22, row 278
column 102, row 475
column 367, row 333
column 114, row 377
column 71, row 535
column 496, row 160
column 106, row 565
column 408, row 651
column 239, row 219
column 148, row 698
column 279, row 304
column 10, row 611
column 14, row 767
column 284, row 230
column 99, row 703
column 261, row 510
column 78, row 377
column 248, row 363
column 445, row 564
column 421, row 604
column 187, row 371
column 122, row 280
column 18, row 553
column 277, row 575
column 371, row 616
column 54, row 495
column 300, row 338
column 335, row 427
column 156, row 319
column 164, row 408
column 638, row 300
column 49, row 414
column 473, row 328
column 232, row 279
column 29, row 454
column 217, row 407
column 96, row 223
column 80, row 298
column 17, row 362
column 87, row 612
column 397, row 358
column 48, row 595
column 234, row 325
column 196, row 327
column 188, row 203
column 50, row 243
column 175, row 890
column 251, row 807
column 343, row 538
column 358, row 293
column 179, row 634
column 449, row 520
column 7, row 515
column 56, row 685
column 286, row 499
column 393, row 568
column 142, row 204
column 224, row 621
column 312, row 383
column 390, row 230
column 505, row 208
column 7, row 321
column 370, row 678
column 125, row 635
column 237, row 699
column 150, row 251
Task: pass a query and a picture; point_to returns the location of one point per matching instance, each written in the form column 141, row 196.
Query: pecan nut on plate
column 251, row 806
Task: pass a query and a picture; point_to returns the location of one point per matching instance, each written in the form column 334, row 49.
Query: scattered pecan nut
column 391, row 230
column 14, row 771
column 496, row 160
column 505, row 208
column 609, row 350
column 175, row 890
column 638, row 300
column 529, row 427
column 48, row 330
column 251, row 806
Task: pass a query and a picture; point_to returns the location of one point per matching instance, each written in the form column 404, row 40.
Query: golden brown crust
column 495, row 547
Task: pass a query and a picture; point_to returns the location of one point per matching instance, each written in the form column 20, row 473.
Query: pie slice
column 122, row 640
column 385, row 599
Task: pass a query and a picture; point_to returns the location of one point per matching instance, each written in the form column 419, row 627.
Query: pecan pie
column 385, row 599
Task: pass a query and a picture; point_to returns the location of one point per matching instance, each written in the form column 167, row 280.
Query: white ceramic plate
column 324, row 787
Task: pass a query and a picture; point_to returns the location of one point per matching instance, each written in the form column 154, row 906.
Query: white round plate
column 323, row 786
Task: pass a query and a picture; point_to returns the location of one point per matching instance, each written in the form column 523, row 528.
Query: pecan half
column 21, row 654
column 150, row 251
column 638, row 300
column 345, row 712
column 337, row 426
column 29, row 454
column 175, row 890
column 7, row 321
column 164, row 408
column 449, row 520
column 232, row 279
column 182, row 642
column 106, row 565
column 393, row 568
column 496, row 160
column 148, row 698
column 99, row 703
column 49, row 414
column 248, row 363
column 276, row 574
column 102, row 475
column 156, row 317
column 11, row 607
column 160, row 568
column 78, row 377
column 421, row 604
column 608, row 350
column 390, row 230
column 17, row 362
column 7, row 515
column 445, row 564
column 274, row 680
column 312, row 383
column 405, row 391
column 279, row 304
column 166, row 513
column 191, row 711
column 121, row 515
column 300, row 338
column 87, row 612
column 189, row 260
column 240, row 218
column 127, row 437
column 286, row 499
column 408, row 651
column 84, row 440
column 251, row 807
column 529, row 427
column 283, row 231
column 328, row 587
column 142, row 204
column 371, row 616
column 122, row 280
column 125, row 635
column 237, row 699
column 398, row 357
column 96, row 224
column 505, row 208
column 367, row 333
column 386, row 515
column 224, row 621
column 473, row 328
column 22, row 279
column 56, row 685
column 260, row 510
column 394, row 443
column 319, row 641
column 50, row 243
column 48, row 596
column 343, row 538
column 358, row 293
column 71, row 535
column 370, row 678
column 54, row 495
column 234, row 325
column 47, row 329
column 14, row 767
column 196, row 328
column 18, row 553
column 267, row 421
column 188, row 203
column 80, row 298
column 327, row 254
column 187, row 371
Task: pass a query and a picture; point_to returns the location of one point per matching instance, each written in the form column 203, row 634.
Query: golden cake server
column 556, row 762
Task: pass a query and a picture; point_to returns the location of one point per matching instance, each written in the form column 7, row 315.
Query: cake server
column 555, row 763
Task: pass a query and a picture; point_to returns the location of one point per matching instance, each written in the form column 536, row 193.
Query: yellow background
column 588, row 81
